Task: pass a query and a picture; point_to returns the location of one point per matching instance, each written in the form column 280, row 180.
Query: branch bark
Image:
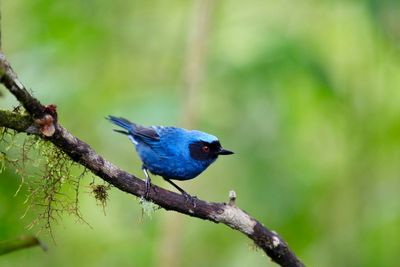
column 42, row 117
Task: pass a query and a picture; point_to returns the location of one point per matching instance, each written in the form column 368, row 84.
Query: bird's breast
column 170, row 158
column 173, row 166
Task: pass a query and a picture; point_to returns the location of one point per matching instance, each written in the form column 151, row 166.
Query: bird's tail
column 123, row 123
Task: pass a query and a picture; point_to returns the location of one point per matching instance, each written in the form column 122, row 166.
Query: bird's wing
column 146, row 132
column 136, row 130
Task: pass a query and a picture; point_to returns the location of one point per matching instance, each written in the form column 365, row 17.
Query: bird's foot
column 189, row 199
column 148, row 185
column 148, row 188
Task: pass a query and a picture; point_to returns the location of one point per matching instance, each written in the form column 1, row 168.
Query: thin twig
column 20, row 243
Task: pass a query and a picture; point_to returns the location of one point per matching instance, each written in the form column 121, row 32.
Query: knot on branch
column 46, row 124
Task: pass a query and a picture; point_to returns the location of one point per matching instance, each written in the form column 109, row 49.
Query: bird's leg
column 183, row 192
column 177, row 187
column 148, row 183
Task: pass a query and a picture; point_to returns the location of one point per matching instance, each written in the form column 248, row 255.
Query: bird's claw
column 147, row 189
column 148, row 185
column 190, row 199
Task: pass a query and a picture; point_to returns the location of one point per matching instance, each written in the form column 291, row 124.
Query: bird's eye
column 206, row 149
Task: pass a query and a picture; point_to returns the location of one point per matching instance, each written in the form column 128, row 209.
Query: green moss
column 100, row 192
column 16, row 119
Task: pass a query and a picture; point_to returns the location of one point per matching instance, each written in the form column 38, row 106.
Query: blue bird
column 171, row 152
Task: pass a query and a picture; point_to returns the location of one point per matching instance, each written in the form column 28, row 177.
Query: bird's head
column 206, row 147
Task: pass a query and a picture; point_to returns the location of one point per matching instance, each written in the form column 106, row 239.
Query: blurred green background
column 306, row 93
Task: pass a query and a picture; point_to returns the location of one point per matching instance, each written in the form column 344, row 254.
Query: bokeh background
column 305, row 92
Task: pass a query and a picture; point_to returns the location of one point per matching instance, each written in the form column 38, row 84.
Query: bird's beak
column 223, row 151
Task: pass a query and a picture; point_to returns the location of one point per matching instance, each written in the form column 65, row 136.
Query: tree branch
column 20, row 243
column 15, row 120
column 42, row 118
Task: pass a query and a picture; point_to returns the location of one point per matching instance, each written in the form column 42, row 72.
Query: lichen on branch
column 47, row 177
